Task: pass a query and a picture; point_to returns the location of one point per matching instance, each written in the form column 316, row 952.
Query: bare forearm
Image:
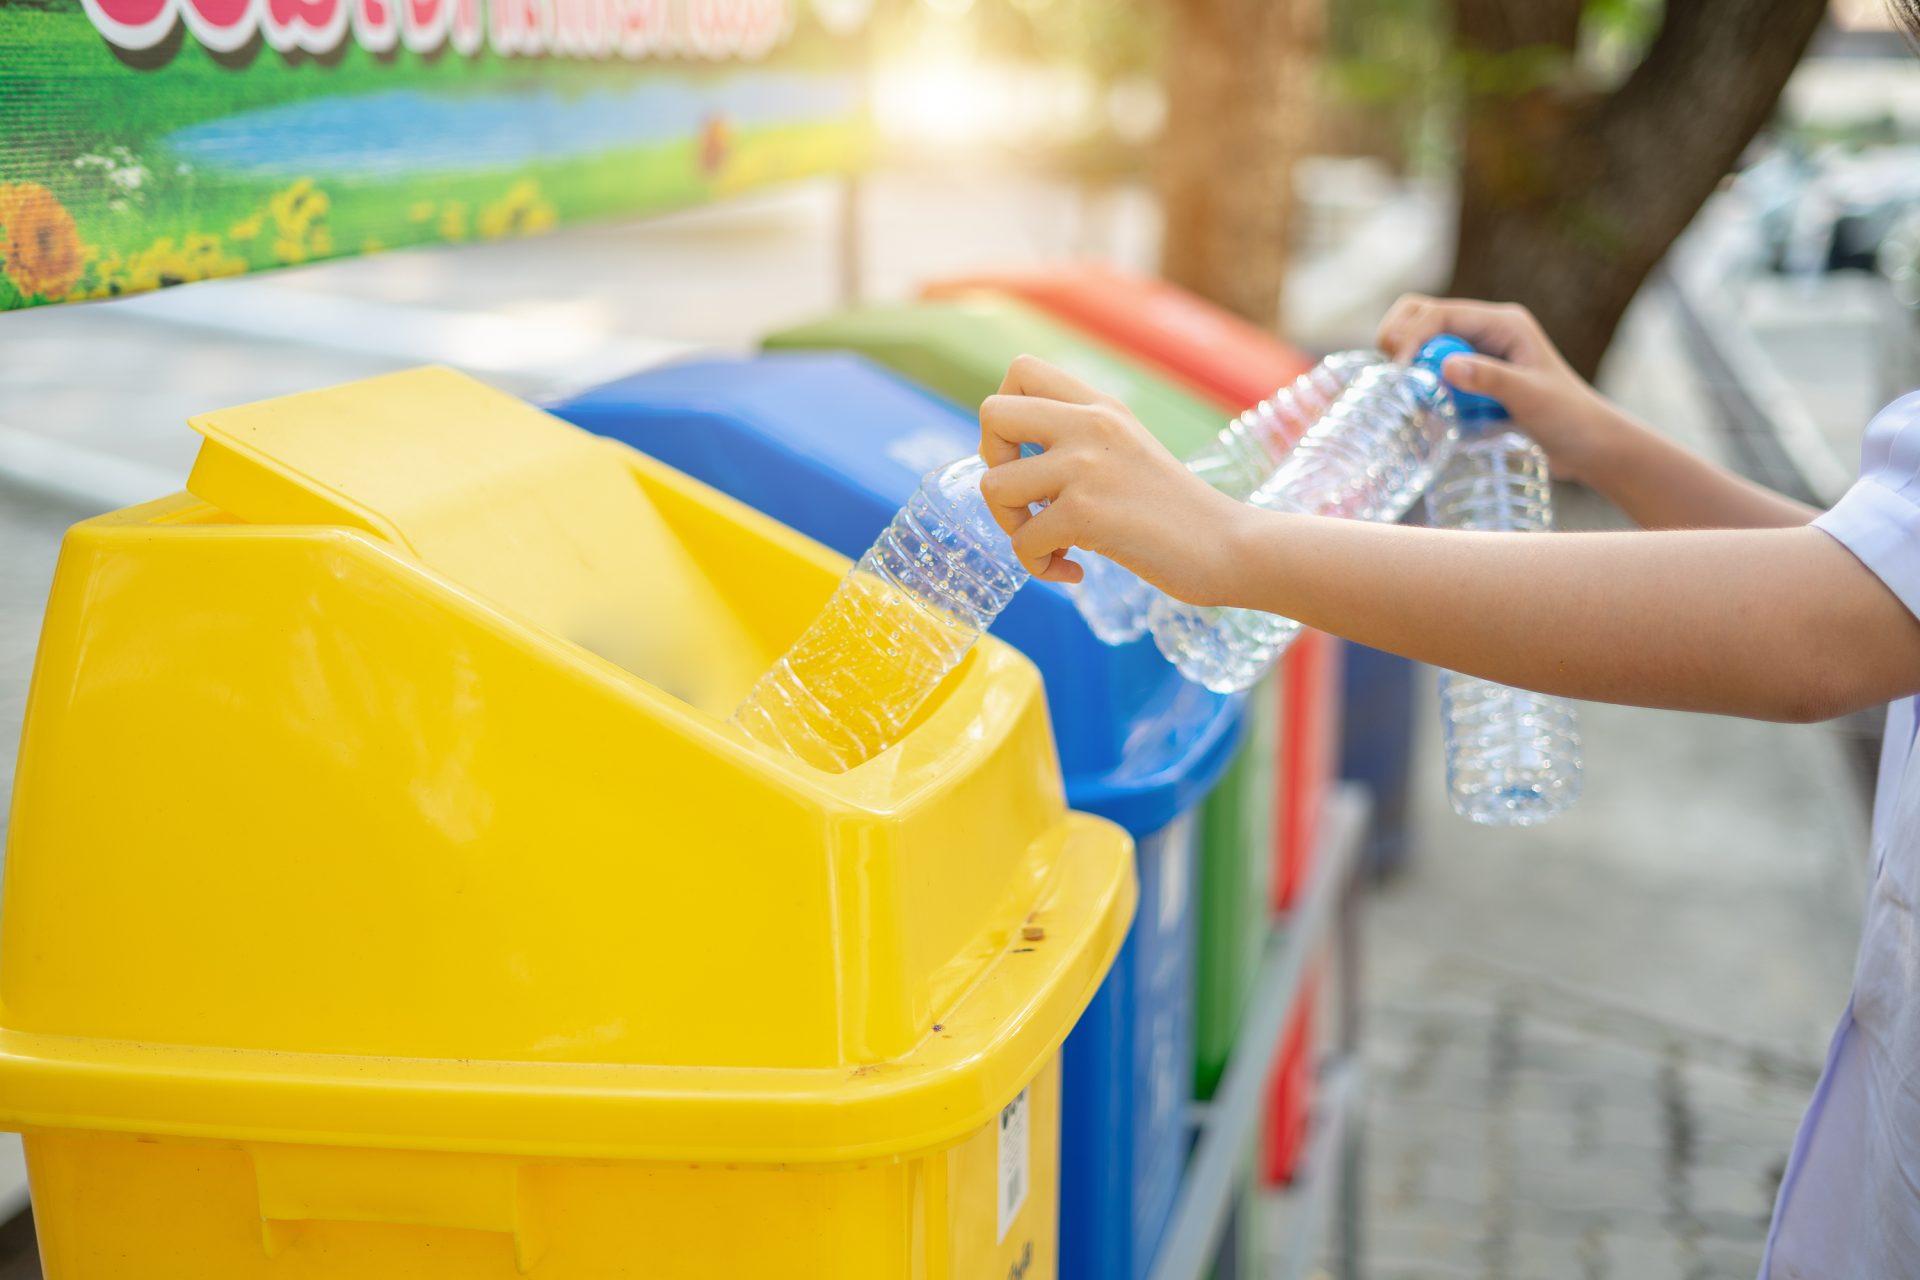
column 1774, row 624
column 1661, row 485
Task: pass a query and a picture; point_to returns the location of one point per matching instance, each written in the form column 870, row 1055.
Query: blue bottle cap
column 1475, row 412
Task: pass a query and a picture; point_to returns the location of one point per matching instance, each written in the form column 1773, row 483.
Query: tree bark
column 1569, row 200
column 1240, row 79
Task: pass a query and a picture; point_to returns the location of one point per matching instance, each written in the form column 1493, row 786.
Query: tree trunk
column 1568, row 201
column 1240, row 79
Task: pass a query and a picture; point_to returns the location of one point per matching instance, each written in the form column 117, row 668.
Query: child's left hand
column 1109, row 485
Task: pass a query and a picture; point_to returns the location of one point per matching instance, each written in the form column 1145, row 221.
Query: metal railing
column 1326, row 1191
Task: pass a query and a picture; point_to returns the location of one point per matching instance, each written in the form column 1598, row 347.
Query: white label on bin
column 1178, row 845
column 1013, row 1161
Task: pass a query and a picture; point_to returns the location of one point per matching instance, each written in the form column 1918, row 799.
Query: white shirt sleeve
column 1879, row 518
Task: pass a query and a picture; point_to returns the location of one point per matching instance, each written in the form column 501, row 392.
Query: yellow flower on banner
column 202, row 257
column 247, row 228
column 521, row 212
column 101, row 281
column 142, row 270
column 298, row 207
column 40, row 246
column 160, row 264
column 453, row 221
column 299, row 222
column 163, row 263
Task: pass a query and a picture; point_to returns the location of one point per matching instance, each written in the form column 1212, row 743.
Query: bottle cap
column 1474, row 411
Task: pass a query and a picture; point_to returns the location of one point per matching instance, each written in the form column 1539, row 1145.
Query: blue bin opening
column 832, row 444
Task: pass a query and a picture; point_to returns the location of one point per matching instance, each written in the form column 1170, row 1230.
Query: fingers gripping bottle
column 902, row 618
column 1368, row 457
column 1513, row 757
column 1114, row 602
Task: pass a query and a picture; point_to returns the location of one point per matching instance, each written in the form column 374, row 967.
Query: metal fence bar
column 1764, row 420
column 1206, row 1194
column 1351, row 1133
column 1324, row 1174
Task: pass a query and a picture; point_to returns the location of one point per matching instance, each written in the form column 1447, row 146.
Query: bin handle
column 300, row 1184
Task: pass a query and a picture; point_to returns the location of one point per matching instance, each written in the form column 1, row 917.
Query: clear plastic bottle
column 1367, row 458
column 1513, row 757
column 1113, row 600
column 1115, row 603
column 905, row 615
column 1247, row 450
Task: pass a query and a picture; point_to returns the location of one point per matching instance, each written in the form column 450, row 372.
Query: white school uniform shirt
column 1849, row 1205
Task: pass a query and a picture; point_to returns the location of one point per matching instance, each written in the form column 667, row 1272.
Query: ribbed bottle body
column 901, row 619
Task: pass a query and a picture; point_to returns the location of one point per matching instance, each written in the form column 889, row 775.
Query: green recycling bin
column 960, row 348
column 1236, row 861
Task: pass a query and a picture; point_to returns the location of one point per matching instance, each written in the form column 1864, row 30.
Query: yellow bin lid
column 378, row 791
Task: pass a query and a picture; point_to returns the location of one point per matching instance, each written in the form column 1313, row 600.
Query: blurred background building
column 1590, row 1042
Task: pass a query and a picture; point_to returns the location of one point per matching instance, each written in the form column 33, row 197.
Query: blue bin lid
column 832, row 444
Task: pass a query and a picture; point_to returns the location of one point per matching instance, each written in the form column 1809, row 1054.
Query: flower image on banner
column 146, row 143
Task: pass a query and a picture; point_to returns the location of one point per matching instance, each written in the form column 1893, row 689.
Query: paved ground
column 1589, row 1041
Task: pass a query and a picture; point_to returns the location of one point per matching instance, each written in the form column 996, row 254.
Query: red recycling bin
column 1206, row 348
column 1290, row 1091
column 1309, row 755
column 1235, row 365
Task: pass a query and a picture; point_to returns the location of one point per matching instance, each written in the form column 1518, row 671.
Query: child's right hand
column 1110, row 487
column 1520, row 368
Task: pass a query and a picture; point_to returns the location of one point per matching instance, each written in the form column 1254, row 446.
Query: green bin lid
column 960, row 348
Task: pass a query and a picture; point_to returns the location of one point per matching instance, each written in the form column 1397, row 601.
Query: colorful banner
column 146, row 143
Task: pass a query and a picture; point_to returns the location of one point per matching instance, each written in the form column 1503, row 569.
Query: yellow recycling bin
column 388, row 897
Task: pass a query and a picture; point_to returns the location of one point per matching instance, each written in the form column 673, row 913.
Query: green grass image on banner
column 128, row 170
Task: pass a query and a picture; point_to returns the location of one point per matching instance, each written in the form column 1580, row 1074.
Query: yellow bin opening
column 387, row 896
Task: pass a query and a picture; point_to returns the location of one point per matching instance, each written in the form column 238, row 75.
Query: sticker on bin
column 1174, row 874
column 1013, row 1161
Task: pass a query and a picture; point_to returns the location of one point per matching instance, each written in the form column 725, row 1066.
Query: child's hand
column 1109, row 485
column 1520, row 368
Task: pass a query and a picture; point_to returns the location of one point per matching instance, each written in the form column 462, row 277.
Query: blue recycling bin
column 1377, row 717
column 832, row 444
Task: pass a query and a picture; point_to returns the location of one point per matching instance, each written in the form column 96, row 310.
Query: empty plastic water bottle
column 902, row 618
column 1115, row 603
column 1513, row 757
column 1368, row 457
column 1249, row 449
